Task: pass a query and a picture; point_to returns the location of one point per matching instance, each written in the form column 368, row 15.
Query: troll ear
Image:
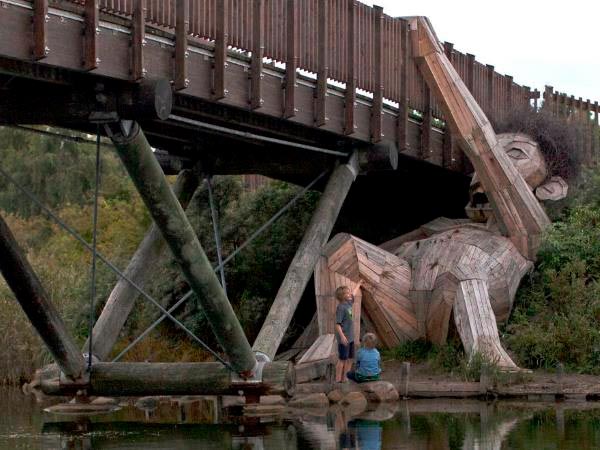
column 554, row 189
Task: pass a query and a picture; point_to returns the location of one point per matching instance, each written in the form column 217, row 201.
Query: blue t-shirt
column 367, row 362
column 343, row 317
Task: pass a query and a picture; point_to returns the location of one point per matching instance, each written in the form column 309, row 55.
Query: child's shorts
column 346, row 351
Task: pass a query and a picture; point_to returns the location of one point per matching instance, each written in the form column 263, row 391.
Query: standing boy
column 344, row 331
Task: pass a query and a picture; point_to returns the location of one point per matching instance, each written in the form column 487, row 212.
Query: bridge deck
column 215, row 84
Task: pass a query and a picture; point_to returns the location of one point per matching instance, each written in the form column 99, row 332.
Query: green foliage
column 557, row 310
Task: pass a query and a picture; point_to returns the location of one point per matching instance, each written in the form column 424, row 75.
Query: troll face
column 526, row 156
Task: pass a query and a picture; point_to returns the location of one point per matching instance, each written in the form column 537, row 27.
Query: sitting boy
column 367, row 361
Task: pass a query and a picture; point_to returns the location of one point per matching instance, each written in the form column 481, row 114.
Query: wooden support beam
column 303, row 264
column 122, row 298
column 138, row 31
column 143, row 379
column 182, row 25
column 322, row 68
column 291, row 63
column 452, row 153
column 350, row 99
column 548, row 91
column 403, row 100
column 40, row 311
column 39, row 48
column 90, row 35
column 220, row 54
column 138, row 158
column 377, row 105
column 256, row 63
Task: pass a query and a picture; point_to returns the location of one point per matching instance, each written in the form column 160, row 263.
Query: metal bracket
column 255, row 379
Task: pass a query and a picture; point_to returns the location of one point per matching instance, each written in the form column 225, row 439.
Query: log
column 122, row 298
column 138, row 158
column 143, row 379
column 305, row 259
column 32, row 297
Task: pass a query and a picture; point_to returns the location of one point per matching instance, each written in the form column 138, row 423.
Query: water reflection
column 203, row 423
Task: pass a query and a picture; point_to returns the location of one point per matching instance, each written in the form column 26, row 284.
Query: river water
column 411, row 424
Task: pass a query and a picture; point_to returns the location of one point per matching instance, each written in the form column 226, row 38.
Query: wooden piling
column 138, row 158
column 32, row 297
column 304, row 261
column 208, row 378
column 122, row 298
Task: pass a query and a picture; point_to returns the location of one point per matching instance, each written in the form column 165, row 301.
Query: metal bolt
column 46, row 18
column 98, row 60
column 97, row 30
column 186, row 82
column 46, row 51
column 187, row 54
column 296, row 110
column 225, row 92
column 144, row 72
column 262, row 102
column 144, row 42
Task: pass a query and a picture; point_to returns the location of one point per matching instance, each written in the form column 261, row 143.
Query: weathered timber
column 519, row 214
column 39, row 50
column 138, row 30
column 306, row 257
column 42, row 314
column 141, row 379
column 122, row 298
column 146, row 100
column 180, row 79
column 138, row 158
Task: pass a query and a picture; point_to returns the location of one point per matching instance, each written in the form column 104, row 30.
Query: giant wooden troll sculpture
column 468, row 270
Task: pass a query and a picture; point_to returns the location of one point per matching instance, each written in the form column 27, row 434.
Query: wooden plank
column 490, row 88
column 426, row 150
column 91, row 30
column 256, row 63
column 402, row 119
column 377, row 104
column 350, row 96
column 182, row 22
column 470, row 81
column 291, row 62
column 320, row 115
column 220, row 54
column 138, row 31
column 40, row 13
column 322, row 348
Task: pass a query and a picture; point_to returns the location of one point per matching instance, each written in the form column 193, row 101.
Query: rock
column 335, row 396
column 379, row 391
column 272, row 400
column 355, row 402
column 104, row 401
column 319, row 400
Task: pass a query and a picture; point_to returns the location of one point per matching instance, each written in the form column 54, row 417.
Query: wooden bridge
column 283, row 88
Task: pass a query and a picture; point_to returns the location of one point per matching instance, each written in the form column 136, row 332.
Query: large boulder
column 354, row 402
column 379, row 391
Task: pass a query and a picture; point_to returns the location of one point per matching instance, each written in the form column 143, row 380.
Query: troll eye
column 517, row 153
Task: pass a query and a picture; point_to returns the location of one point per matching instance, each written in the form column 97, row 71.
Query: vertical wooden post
column 351, row 81
column 453, row 157
column 426, row 125
column 490, row 90
column 256, row 63
column 470, row 81
column 143, row 168
column 322, row 68
column 536, row 97
column 138, row 31
column 508, row 94
column 403, row 98
column 291, row 62
column 182, row 23
column 90, row 35
column 305, row 259
column 40, row 14
column 404, row 379
column 42, row 314
column 547, row 98
column 377, row 105
column 220, row 56
column 122, row 298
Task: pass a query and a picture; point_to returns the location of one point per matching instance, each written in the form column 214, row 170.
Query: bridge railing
column 328, row 35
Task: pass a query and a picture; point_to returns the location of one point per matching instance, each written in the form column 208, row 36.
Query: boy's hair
column 339, row 293
column 369, row 340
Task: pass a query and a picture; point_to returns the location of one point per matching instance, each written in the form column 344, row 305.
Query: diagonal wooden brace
column 138, row 158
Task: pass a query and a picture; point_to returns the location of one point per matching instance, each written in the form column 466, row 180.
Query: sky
column 539, row 43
